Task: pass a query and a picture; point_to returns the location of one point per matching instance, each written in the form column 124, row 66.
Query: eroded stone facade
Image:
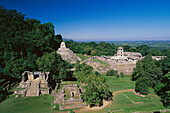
column 67, row 54
column 74, row 101
column 121, row 62
column 33, row 84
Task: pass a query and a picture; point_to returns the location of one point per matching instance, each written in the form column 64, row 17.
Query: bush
column 142, row 85
column 121, row 75
column 111, row 73
column 117, row 76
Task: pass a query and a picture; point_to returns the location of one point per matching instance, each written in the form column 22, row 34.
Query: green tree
column 141, row 85
column 96, row 90
column 162, row 90
column 52, row 62
column 111, row 73
column 82, row 71
column 23, row 41
column 121, row 75
column 2, row 93
column 148, row 67
column 143, row 49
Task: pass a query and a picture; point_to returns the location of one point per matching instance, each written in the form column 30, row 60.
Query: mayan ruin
column 67, row 54
column 84, row 56
column 33, row 84
column 69, row 97
column 121, row 61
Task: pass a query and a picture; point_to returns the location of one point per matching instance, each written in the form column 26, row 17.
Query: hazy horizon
column 109, row 20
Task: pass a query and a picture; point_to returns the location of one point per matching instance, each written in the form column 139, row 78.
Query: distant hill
column 66, row 39
column 152, row 44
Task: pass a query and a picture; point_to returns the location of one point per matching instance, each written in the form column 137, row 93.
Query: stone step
column 32, row 91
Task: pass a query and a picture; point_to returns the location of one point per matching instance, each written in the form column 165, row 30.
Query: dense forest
column 28, row 45
column 109, row 49
column 24, row 42
column 154, row 74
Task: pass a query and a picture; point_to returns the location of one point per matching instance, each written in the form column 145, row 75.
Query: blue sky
column 110, row 20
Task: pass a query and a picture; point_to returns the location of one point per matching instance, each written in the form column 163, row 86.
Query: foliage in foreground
column 96, row 88
column 142, row 85
column 157, row 73
column 22, row 41
column 111, row 73
column 53, row 63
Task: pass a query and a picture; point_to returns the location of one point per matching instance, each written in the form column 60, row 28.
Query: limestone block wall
column 71, row 106
column 126, row 68
column 19, row 91
column 43, row 84
column 44, row 91
column 72, row 101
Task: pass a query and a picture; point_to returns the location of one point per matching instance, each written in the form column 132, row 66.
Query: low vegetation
column 82, row 57
column 101, row 62
column 41, row 104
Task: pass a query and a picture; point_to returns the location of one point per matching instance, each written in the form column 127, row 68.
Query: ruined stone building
column 33, row 84
column 122, row 56
column 121, row 61
column 67, row 54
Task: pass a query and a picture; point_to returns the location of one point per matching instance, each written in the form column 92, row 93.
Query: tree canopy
column 96, row 87
column 22, row 41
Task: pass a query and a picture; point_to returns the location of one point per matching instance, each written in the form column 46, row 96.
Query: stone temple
column 122, row 61
column 67, row 54
column 122, row 56
column 33, row 84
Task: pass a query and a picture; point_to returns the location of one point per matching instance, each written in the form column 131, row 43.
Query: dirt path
column 105, row 103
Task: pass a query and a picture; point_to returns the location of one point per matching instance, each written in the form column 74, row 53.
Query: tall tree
column 52, row 62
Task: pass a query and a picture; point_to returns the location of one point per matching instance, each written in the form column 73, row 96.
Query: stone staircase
column 33, row 89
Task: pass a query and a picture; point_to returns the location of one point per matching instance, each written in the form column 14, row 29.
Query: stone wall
column 18, row 91
column 72, row 106
column 70, row 101
column 44, row 91
column 66, row 104
column 121, row 66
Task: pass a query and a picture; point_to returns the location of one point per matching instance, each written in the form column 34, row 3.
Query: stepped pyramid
column 67, row 54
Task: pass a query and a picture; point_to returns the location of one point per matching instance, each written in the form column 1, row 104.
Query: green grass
column 44, row 103
column 20, row 88
column 82, row 57
column 151, row 102
column 101, row 62
column 43, row 88
column 121, row 104
column 117, row 84
column 98, row 69
column 76, row 97
column 133, row 97
column 67, row 93
column 41, row 104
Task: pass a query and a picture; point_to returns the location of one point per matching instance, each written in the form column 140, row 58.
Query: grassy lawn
column 133, row 97
column 41, row 104
column 76, row 97
column 101, row 62
column 82, row 57
column 117, row 84
column 67, row 93
column 121, row 104
column 150, row 103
